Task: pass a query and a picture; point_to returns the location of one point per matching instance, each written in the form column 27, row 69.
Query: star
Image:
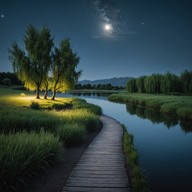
column 2, row 16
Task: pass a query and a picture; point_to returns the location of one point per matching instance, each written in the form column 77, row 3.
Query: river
column 164, row 143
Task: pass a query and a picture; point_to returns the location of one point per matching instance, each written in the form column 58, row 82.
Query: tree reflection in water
column 157, row 117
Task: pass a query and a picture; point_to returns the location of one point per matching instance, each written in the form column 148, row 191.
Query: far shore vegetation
column 181, row 106
column 162, row 84
column 100, row 87
column 167, row 93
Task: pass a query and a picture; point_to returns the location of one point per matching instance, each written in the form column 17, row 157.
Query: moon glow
column 108, row 27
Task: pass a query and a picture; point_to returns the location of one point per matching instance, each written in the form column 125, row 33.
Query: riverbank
column 20, row 106
column 161, row 147
column 54, row 178
column 36, row 134
column 181, row 106
column 137, row 179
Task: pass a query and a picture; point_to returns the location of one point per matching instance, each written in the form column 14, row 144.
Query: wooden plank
column 97, row 168
column 101, row 167
column 96, row 184
column 88, row 189
column 102, row 163
column 118, row 156
column 98, row 174
column 98, row 179
column 123, row 175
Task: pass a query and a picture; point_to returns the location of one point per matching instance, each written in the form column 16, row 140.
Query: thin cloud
column 111, row 12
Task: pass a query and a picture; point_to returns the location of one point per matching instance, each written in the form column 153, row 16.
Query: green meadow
column 34, row 132
column 180, row 106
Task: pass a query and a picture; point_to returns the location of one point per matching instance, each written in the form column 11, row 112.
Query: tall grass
column 82, row 104
column 15, row 120
column 81, row 117
column 72, row 134
column 22, row 155
column 24, row 147
column 138, row 180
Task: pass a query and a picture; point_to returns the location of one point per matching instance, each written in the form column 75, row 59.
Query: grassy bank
column 34, row 132
column 138, row 180
column 176, row 105
column 23, row 155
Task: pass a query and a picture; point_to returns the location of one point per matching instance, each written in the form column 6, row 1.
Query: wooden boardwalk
column 102, row 166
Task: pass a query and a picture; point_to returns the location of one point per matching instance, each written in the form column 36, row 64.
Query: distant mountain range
column 115, row 81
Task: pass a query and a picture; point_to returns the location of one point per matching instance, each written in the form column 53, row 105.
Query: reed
column 23, row 155
column 82, row 104
column 16, row 120
column 72, row 134
column 138, row 180
column 81, row 117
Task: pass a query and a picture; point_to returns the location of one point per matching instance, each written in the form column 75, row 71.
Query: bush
column 64, row 106
column 34, row 105
column 6, row 82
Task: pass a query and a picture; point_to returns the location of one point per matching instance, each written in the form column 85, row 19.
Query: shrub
column 64, row 106
column 6, row 82
column 34, row 105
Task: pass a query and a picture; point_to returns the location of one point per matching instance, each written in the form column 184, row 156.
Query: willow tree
column 32, row 64
column 64, row 74
column 186, row 80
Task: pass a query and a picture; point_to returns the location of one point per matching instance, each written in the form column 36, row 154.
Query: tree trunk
column 53, row 95
column 46, row 93
column 46, row 88
column 37, row 93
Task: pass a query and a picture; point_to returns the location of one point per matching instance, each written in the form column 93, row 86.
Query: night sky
column 114, row 38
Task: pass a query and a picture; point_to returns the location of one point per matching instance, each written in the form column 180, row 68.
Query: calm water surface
column 164, row 144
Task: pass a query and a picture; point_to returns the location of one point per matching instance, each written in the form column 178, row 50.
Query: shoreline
column 54, row 177
column 179, row 106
